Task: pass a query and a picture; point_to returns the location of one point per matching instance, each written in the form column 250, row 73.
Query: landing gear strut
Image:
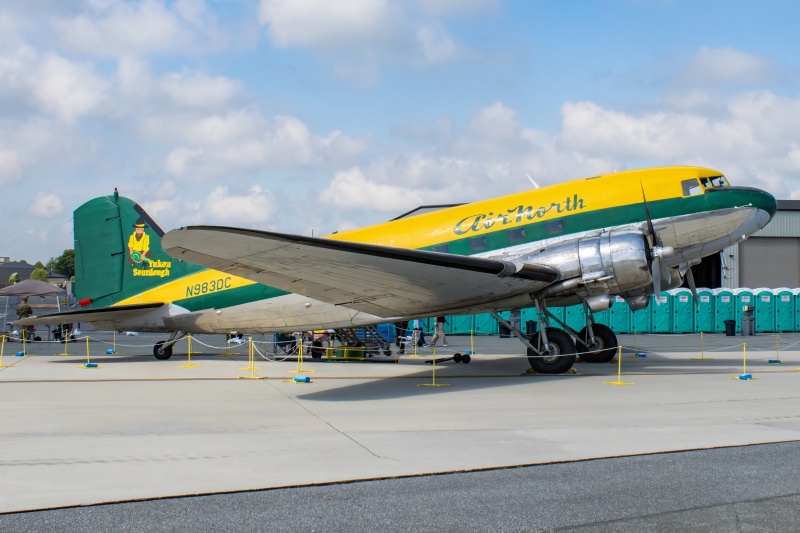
column 550, row 350
column 163, row 349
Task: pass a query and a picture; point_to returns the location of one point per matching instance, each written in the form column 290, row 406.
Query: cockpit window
column 691, row 187
column 719, row 181
column 705, row 182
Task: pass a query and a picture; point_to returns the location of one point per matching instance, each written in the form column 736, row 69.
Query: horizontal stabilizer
column 105, row 314
column 380, row 280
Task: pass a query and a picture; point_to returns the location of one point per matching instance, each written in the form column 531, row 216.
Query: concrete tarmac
column 136, row 428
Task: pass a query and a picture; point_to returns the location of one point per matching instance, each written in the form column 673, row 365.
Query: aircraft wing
column 379, row 280
column 105, row 314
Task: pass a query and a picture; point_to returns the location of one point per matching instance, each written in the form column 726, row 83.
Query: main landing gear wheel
column 161, row 352
column 604, row 347
column 556, row 357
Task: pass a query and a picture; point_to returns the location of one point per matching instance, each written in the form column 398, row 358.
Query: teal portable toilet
column 575, row 317
column 640, row 320
column 704, row 311
column 485, row 324
column 742, row 298
column 724, row 302
column 765, row 309
column 560, row 313
column 458, row 325
column 661, row 320
column 527, row 315
column 602, row 317
column 784, row 308
column 682, row 310
column 619, row 316
column 504, row 331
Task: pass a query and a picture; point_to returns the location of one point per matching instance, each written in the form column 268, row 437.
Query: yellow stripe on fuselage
column 554, row 201
column 204, row 283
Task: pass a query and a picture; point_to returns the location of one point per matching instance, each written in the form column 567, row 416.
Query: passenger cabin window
column 516, row 235
column 554, row 227
column 442, row 249
column 478, row 244
column 691, row 187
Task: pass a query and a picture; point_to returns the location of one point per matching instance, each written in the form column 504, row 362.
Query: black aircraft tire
column 605, row 341
column 560, row 355
column 160, row 354
column 465, row 358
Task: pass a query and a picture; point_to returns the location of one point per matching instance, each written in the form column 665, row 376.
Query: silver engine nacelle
column 610, row 263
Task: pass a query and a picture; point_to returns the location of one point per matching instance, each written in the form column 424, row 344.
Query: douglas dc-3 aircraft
column 630, row 233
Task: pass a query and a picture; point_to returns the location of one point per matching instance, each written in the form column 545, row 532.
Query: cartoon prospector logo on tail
column 139, row 245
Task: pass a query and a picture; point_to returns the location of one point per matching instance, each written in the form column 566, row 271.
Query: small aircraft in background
column 629, row 234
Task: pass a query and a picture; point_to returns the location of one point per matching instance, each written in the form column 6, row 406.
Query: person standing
column 24, row 309
column 440, row 322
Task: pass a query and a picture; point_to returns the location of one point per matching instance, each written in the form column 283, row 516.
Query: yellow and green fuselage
column 109, row 273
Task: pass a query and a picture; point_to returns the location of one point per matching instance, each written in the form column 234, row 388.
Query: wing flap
column 380, row 280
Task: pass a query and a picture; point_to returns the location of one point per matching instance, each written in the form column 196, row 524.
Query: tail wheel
column 556, row 357
column 602, row 349
column 162, row 352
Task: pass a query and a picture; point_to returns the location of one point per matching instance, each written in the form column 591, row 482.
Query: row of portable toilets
column 775, row 310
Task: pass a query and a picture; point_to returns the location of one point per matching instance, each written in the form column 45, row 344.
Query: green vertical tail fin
column 118, row 252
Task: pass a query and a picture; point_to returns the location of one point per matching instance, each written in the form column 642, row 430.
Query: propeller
column 686, row 272
column 658, row 252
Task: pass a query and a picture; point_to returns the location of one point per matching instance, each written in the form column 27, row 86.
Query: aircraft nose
column 765, row 201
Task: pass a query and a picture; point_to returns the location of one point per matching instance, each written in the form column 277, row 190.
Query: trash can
column 748, row 321
column 730, row 328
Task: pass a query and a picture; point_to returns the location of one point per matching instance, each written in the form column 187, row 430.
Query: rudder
column 112, row 263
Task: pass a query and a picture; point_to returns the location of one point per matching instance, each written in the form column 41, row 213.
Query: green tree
column 39, row 274
column 65, row 263
column 39, row 264
column 51, row 264
column 13, row 278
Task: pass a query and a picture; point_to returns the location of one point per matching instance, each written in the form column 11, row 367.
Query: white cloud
column 255, row 207
column 179, row 158
column 324, row 23
column 119, row 28
column 37, row 145
column 245, row 139
column 357, row 37
column 436, row 45
column 198, row 89
column 45, row 205
column 445, row 7
column 350, row 189
column 68, row 89
column 10, row 170
column 718, row 66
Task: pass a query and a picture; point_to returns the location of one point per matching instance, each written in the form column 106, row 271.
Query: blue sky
column 307, row 115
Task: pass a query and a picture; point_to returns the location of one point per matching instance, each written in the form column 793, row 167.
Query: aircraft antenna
column 609, row 165
column 535, row 185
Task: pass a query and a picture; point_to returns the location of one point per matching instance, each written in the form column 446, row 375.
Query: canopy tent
column 32, row 287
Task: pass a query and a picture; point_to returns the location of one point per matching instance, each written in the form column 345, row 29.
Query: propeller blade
column 650, row 228
column 655, row 268
column 692, row 287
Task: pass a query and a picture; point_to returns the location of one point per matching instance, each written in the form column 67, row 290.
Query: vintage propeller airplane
column 631, row 234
